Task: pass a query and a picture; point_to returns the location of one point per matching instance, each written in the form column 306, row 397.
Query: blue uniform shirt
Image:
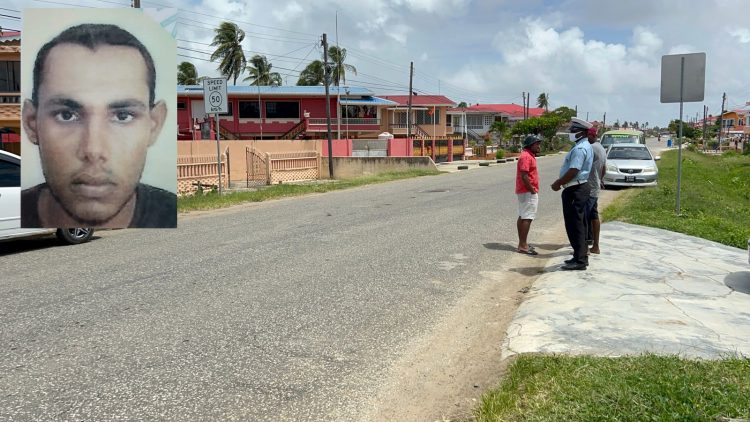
column 581, row 157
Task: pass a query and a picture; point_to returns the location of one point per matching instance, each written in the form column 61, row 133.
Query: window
column 249, row 110
column 425, row 117
column 473, row 120
column 229, row 110
column 10, row 76
column 488, row 118
column 10, row 175
column 181, row 105
column 282, row 110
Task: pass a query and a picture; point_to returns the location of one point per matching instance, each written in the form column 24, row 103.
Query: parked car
column 10, row 207
column 622, row 136
column 630, row 165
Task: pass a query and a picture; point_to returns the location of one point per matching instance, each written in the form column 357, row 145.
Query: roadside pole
column 691, row 69
column 215, row 102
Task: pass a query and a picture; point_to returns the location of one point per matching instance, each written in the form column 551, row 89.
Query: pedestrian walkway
column 650, row 290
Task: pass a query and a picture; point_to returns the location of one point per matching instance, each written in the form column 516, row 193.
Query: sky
column 599, row 56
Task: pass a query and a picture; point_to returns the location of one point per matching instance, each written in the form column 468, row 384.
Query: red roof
column 514, row 110
column 420, row 100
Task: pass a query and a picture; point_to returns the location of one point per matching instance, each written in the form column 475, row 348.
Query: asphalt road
column 286, row 310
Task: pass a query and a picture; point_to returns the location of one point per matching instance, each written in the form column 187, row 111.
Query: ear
column 158, row 114
column 28, row 116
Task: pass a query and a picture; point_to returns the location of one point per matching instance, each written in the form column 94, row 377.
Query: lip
column 92, row 187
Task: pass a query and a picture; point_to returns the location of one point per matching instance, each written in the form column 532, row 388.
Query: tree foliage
column 687, row 130
column 228, row 43
column 542, row 101
column 312, row 75
column 338, row 57
column 260, row 72
column 187, row 74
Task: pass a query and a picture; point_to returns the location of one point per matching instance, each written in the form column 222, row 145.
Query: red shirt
column 527, row 163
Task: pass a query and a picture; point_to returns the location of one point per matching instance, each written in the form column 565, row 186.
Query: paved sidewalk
column 650, row 290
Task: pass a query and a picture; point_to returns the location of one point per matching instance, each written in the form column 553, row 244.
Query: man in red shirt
column 527, row 190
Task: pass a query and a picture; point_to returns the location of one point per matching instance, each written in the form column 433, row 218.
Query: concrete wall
column 352, row 167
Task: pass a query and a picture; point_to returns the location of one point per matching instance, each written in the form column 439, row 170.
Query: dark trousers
column 574, row 199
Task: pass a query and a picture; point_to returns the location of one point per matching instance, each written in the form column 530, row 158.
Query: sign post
column 215, row 101
column 683, row 79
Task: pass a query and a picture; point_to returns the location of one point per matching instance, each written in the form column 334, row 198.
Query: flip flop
column 530, row 251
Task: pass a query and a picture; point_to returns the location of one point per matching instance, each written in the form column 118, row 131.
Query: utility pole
column 338, row 88
column 523, row 94
column 576, row 110
column 137, row 4
column 721, row 120
column 408, row 105
column 326, row 82
column 604, row 121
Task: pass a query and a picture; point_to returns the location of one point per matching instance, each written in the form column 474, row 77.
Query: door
column 10, row 195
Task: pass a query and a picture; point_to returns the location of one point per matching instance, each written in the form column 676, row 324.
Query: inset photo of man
column 98, row 117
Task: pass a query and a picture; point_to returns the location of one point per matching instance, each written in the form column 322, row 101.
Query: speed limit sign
column 215, row 95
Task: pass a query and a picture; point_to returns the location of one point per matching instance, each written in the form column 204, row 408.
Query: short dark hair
column 92, row 35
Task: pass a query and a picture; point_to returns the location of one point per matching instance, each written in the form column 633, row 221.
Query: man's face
column 93, row 126
column 536, row 147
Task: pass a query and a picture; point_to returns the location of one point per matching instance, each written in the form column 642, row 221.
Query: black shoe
column 570, row 261
column 574, row 266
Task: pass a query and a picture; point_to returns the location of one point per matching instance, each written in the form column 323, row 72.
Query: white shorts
column 527, row 205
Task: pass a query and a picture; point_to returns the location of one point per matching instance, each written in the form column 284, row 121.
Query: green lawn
column 645, row 388
column 213, row 200
column 715, row 200
column 715, row 204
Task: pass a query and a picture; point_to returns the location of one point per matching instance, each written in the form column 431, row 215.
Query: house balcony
column 358, row 124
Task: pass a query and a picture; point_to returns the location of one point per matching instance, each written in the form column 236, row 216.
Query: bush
column 691, row 147
column 514, row 148
column 500, row 154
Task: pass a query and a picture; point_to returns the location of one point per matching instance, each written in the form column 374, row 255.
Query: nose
column 95, row 143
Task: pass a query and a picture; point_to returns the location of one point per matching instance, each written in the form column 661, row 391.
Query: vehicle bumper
column 616, row 179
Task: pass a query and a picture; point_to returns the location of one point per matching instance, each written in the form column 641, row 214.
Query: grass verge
column 715, row 205
column 714, row 202
column 213, row 200
column 643, row 388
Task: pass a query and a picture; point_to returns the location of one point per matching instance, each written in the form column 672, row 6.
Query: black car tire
column 75, row 236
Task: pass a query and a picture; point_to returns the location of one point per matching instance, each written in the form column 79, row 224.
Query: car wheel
column 75, row 236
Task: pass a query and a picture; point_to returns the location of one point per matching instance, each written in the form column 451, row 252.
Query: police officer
column 573, row 179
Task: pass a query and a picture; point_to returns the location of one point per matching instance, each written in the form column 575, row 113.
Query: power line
column 249, row 32
column 230, row 20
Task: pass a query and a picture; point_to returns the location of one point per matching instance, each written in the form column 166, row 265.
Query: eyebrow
column 66, row 102
column 127, row 104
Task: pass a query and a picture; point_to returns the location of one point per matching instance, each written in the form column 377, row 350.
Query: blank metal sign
column 694, row 78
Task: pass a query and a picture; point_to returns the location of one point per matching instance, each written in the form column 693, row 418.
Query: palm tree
column 312, row 75
column 187, row 74
column 338, row 56
column 260, row 72
column 543, row 101
column 228, row 43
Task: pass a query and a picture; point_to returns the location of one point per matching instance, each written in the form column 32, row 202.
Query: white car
column 10, row 207
column 630, row 165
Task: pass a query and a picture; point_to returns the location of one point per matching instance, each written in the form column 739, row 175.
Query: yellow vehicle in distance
column 622, row 136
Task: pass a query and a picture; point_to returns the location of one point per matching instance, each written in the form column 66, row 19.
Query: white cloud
column 741, row 34
column 290, row 13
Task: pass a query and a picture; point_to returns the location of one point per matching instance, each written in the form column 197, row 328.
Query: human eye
column 66, row 116
column 123, row 116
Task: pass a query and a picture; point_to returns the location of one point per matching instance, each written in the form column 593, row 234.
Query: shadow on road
column 12, row 247
column 738, row 281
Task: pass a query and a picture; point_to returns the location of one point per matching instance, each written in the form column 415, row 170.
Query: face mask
column 573, row 137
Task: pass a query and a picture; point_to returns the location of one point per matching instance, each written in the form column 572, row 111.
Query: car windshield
column 628, row 154
column 620, row 139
